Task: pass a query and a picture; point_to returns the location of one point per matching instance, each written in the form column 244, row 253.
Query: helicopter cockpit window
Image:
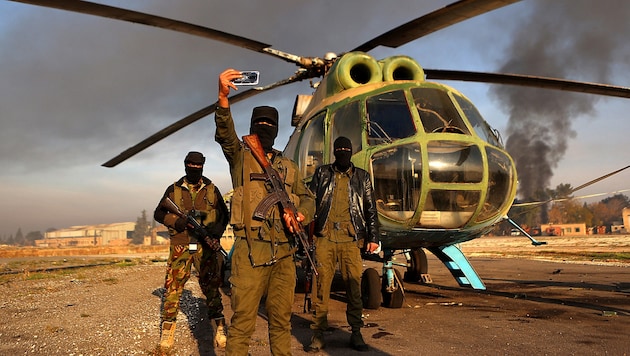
column 481, row 127
column 346, row 121
column 311, row 148
column 437, row 112
column 397, row 181
column 388, row 118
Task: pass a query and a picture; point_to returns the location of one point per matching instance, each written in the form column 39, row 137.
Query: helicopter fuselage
column 440, row 173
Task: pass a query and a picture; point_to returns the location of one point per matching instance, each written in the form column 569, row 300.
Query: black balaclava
column 193, row 175
column 267, row 134
column 343, row 153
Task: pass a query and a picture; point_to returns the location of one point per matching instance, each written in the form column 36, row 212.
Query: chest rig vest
column 248, row 196
column 201, row 203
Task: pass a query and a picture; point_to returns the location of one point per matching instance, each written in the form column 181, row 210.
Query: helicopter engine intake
column 401, row 68
column 352, row 70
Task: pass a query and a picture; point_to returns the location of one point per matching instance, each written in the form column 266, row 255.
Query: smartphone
column 250, row 77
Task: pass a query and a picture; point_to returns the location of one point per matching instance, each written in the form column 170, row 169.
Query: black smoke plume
column 571, row 39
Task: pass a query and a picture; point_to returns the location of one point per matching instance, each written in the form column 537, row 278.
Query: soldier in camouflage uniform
column 197, row 195
column 262, row 259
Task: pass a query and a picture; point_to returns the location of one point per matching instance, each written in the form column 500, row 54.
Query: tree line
column 561, row 207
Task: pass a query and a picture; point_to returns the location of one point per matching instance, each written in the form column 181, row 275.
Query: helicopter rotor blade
column 116, row 13
column 529, row 80
column 591, row 182
column 208, row 110
column 432, row 22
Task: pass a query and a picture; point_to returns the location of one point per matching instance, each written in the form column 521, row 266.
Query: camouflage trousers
column 208, row 264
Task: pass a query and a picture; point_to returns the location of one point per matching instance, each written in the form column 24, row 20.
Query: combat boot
column 317, row 342
column 220, row 332
column 356, row 341
column 167, row 335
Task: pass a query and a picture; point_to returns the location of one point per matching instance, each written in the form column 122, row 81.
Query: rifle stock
column 277, row 195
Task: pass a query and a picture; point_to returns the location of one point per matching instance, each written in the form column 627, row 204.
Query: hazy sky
column 76, row 90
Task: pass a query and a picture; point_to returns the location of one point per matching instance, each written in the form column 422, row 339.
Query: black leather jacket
column 362, row 208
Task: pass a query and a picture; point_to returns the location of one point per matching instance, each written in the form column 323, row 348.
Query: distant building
column 563, row 229
column 625, row 214
column 116, row 234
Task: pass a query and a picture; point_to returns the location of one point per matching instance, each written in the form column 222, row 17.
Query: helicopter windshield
column 388, row 118
column 480, row 125
column 437, row 112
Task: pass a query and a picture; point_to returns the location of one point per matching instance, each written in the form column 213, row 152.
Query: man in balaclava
column 343, row 153
column 262, row 256
column 345, row 224
column 197, row 196
column 265, row 124
column 193, row 165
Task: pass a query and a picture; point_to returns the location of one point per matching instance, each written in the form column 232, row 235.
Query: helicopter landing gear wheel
column 395, row 298
column 418, row 265
column 370, row 291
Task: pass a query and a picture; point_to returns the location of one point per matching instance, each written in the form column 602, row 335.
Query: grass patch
column 110, row 281
column 33, row 276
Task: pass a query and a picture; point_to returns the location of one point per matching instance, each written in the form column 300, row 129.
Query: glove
column 180, row 225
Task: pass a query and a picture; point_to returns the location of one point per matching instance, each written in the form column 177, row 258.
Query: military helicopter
column 440, row 172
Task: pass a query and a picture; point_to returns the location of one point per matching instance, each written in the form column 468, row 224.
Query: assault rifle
column 198, row 230
column 277, row 195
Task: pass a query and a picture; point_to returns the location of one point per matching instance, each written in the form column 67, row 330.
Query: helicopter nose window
column 449, row 209
column 388, row 118
column 437, row 112
column 500, row 176
column 397, row 181
column 454, row 162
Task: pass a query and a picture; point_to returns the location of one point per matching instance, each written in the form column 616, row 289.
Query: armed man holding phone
column 262, row 258
column 196, row 243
